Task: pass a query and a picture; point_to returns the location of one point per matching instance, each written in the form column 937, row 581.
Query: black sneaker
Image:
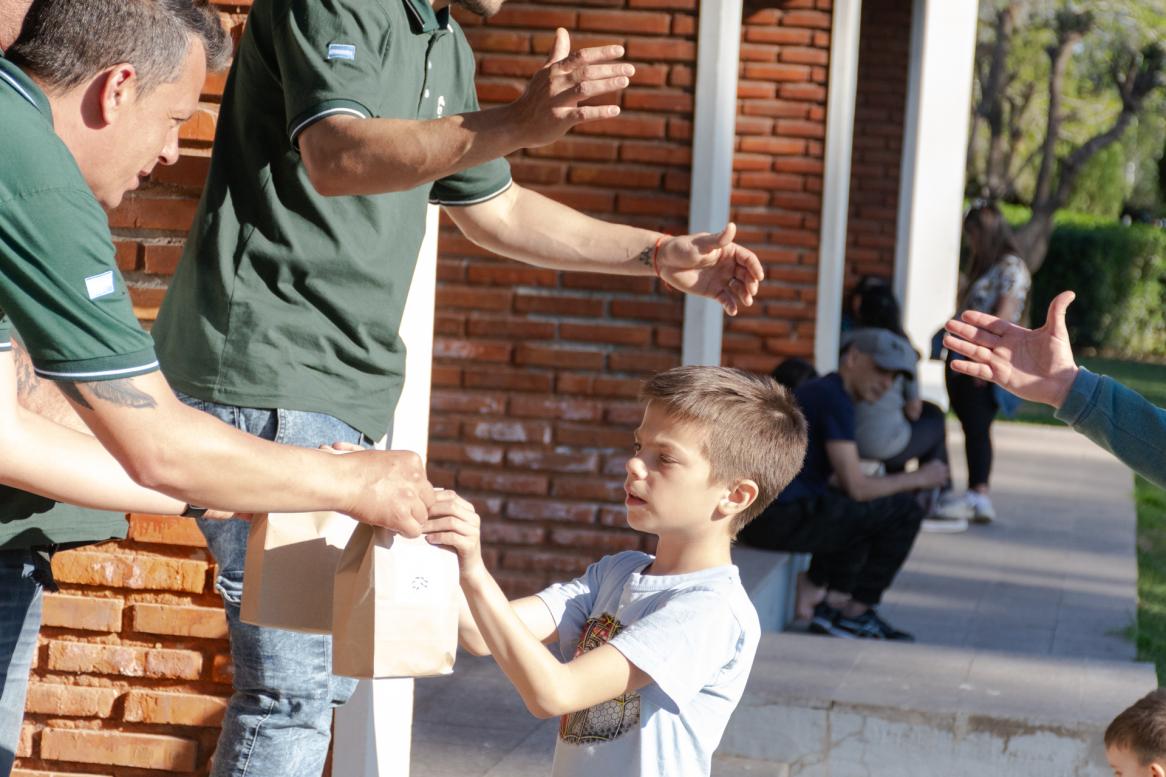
column 870, row 626
column 825, row 620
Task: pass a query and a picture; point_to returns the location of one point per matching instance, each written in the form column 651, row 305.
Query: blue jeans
column 279, row 720
column 22, row 574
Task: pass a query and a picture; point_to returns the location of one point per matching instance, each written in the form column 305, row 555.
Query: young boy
column 1135, row 742
column 655, row 650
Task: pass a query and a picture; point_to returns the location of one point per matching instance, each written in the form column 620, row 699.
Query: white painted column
column 843, row 88
column 373, row 730
column 714, row 133
column 931, row 188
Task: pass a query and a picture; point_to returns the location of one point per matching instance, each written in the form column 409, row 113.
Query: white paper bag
column 395, row 607
column 290, row 568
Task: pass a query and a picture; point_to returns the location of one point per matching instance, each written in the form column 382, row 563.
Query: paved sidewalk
column 1020, row 624
column 1055, row 575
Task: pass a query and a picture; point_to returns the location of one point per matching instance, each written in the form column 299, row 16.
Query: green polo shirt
column 60, row 286
column 285, row 298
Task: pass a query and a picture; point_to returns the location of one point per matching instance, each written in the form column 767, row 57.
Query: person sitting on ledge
column 861, row 534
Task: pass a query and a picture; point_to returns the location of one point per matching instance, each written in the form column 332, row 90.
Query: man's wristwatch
column 194, row 512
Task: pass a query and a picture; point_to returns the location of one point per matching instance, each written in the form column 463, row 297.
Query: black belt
column 42, row 562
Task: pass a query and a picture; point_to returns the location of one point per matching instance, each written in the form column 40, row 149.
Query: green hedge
column 1119, row 274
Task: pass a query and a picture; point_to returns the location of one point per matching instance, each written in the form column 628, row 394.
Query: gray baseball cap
column 889, row 350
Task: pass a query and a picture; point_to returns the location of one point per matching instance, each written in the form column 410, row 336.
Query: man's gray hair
column 64, row 43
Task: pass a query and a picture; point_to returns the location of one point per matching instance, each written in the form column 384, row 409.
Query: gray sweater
column 880, row 428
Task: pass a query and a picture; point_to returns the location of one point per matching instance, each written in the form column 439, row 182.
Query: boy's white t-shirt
column 695, row 635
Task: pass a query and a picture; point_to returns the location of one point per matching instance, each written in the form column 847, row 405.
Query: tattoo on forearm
column 71, row 391
column 645, row 257
column 122, row 393
column 25, row 377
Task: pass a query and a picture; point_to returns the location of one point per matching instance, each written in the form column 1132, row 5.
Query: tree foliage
column 1056, row 84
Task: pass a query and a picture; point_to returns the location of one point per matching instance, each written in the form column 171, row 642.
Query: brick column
column 884, row 50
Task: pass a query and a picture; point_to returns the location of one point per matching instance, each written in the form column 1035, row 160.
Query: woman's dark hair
column 880, row 309
column 866, row 284
column 989, row 240
column 793, row 372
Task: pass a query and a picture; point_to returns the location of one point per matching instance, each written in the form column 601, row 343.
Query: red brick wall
column 132, row 670
column 777, row 193
column 884, row 51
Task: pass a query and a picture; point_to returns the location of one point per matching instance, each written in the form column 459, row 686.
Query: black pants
column 928, row 441
column 975, row 406
column 858, row 547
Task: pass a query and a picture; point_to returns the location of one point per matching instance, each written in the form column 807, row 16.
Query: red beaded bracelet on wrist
column 655, row 260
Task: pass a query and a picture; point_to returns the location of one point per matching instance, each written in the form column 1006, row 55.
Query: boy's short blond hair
column 1141, row 729
column 753, row 427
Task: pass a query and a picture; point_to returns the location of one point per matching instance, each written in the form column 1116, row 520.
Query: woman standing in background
column 996, row 282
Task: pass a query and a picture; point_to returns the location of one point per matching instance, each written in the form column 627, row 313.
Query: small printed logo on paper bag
column 342, row 51
column 100, row 285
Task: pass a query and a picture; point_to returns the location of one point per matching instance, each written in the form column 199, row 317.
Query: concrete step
column 473, row 724
column 822, row 707
column 732, row 766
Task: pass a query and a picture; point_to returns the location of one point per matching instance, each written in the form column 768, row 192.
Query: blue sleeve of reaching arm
column 1120, row 420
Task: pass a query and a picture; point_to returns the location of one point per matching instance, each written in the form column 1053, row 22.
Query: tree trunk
column 992, row 100
column 1058, row 60
column 1032, row 239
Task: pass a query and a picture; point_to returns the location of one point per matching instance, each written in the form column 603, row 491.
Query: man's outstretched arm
column 524, row 225
column 192, row 456
column 348, row 155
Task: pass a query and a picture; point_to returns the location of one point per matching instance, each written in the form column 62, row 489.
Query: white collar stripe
column 23, row 92
column 296, row 130
column 99, row 374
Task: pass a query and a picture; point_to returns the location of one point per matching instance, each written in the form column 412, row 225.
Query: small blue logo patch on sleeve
column 342, row 51
column 100, row 285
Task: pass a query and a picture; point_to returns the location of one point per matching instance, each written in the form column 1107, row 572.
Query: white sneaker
column 952, row 507
column 983, row 512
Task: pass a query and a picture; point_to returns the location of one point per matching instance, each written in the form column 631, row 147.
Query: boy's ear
column 738, row 498
column 1157, row 770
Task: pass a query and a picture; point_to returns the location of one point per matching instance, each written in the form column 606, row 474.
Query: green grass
column 1151, row 629
column 1149, row 380
column 1020, row 214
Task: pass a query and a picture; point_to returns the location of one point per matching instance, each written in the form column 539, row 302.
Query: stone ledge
column 825, row 706
column 768, row 577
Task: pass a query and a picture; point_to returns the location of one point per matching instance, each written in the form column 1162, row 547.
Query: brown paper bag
column 290, row 567
column 394, row 607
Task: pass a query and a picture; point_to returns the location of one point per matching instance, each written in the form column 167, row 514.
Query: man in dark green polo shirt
column 91, row 98
column 340, row 121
